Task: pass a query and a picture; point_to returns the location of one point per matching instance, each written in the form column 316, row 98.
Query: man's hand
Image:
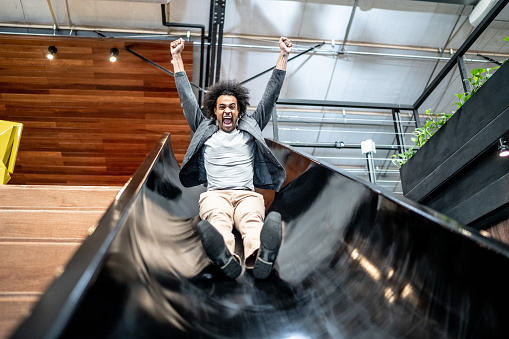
column 285, row 45
column 176, row 47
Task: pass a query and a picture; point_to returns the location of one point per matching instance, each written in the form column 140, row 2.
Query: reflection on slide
column 356, row 262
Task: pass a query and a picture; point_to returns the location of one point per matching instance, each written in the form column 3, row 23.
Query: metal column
column 368, row 147
column 275, row 132
column 416, row 118
column 464, row 74
column 371, row 167
column 216, row 40
column 398, row 130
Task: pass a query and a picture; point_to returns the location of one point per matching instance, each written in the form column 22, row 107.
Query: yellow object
column 10, row 136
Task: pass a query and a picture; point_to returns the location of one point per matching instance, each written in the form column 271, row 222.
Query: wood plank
column 14, row 308
column 69, row 179
column 80, row 105
column 51, row 197
column 47, row 225
column 32, row 266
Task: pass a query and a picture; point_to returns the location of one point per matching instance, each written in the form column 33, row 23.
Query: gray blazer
column 268, row 172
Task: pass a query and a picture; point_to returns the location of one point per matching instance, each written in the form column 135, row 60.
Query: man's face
column 227, row 112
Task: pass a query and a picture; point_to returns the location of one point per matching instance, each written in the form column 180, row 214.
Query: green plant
column 422, row 134
column 434, row 121
column 476, row 81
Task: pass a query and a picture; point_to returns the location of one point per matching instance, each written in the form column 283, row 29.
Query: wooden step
column 31, row 266
column 31, row 225
column 40, row 230
column 13, row 309
column 26, row 271
column 44, row 196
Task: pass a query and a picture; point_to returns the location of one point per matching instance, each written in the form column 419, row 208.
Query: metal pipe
column 68, row 13
column 270, row 69
column 354, row 7
column 447, row 42
column 55, row 21
column 344, row 104
column 371, row 167
column 212, row 42
column 163, row 33
column 208, row 63
column 498, row 63
column 363, row 122
column 80, row 28
column 220, row 38
column 463, row 74
column 202, row 42
column 398, row 131
column 334, row 111
column 335, row 145
column 353, row 158
column 275, row 132
column 404, row 56
column 499, row 6
column 337, row 131
column 417, row 120
column 357, row 44
column 158, row 66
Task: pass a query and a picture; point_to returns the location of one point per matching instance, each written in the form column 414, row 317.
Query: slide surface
column 356, row 262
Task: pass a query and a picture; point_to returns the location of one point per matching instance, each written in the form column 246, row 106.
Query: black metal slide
column 356, row 262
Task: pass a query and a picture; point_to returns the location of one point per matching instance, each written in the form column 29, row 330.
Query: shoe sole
column 270, row 239
column 214, row 246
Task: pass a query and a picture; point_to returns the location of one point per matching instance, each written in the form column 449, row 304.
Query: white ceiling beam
column 55, row 22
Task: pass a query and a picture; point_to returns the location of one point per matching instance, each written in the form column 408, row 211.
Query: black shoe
column 270, row 241
column 214, row 246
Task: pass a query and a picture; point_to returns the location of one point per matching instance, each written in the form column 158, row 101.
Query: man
column 228, row 153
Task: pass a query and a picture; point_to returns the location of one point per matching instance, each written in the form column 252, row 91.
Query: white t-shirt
column 229, row 158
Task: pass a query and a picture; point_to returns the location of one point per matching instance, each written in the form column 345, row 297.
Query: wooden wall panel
column 88, row 121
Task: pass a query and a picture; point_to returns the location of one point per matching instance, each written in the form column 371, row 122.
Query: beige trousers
column 245, row 210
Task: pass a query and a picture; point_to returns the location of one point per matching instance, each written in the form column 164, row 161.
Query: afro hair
column 226, row 87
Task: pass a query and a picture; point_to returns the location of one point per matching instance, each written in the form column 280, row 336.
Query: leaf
column 477, row 71
column 507, row 39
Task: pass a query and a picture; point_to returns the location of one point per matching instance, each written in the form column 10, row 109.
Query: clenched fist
column 285, row 45
column 177, row 46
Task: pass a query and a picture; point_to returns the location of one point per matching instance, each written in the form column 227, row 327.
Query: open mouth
column 227, row 121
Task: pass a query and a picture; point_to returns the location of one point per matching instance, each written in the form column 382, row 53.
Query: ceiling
column 390, row 52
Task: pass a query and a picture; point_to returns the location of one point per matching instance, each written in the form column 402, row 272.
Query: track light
column 503, row 150
column 113, row 54
column 51, row 51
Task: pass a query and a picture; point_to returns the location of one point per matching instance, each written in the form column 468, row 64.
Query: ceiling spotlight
column 51, row 51
column 113, row 54
column 503, row 150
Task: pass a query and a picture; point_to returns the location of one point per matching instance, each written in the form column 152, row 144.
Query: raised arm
column 286, row 47
column 188, row 100
column 263, row 111
column 177, row 47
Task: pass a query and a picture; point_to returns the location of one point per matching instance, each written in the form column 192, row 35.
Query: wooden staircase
column 41, row 227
